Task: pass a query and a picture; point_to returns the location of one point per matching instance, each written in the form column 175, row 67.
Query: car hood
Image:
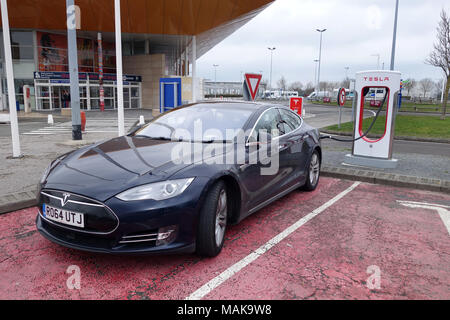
column 103, row 170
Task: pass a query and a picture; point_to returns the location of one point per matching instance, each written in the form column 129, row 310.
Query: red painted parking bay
column 343, row 241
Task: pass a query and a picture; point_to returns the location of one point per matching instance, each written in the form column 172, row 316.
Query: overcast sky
column 357, row 29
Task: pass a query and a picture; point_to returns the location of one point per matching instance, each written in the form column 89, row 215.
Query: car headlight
column 156, row 191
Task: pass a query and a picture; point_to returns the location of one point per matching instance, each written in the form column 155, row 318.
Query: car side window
column 269, row 121
column 292, row 120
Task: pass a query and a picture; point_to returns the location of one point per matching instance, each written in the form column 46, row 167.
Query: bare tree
column 323, row 85
column 440, row 56
column 309, row 88
column 331, row 86
column 282, row 83
column 426, row 85
column 345, row 83
column 296, row 86
column 438, row 89
column 409, row 84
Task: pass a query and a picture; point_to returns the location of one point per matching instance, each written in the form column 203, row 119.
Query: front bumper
column 135, row 219
column 71, row 240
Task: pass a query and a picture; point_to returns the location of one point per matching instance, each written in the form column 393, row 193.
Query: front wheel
column 313, row 176
column 213, row 221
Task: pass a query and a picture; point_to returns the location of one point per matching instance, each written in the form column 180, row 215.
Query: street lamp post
column 394, row 39
column 320, row 58
column 271, row 64
column 215, row 79
column 346, row 72
column 315, row 70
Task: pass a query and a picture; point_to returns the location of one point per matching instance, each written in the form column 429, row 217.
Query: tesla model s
column 176, row 183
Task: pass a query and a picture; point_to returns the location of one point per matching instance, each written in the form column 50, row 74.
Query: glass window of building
column 22, row 45
column 139, row 48
column 127, row 48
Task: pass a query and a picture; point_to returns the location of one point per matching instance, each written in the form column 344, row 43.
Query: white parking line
column 228, row 273
column 441, row 209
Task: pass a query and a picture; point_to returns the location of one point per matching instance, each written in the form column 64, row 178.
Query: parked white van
column 319, row 95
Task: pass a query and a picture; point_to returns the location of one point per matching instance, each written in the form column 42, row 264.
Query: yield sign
column 252, row 82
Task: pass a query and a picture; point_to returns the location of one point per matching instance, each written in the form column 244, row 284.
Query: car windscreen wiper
column 163, row 138
column 154, row 138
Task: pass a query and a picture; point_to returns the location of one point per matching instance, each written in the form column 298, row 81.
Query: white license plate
column 70, row 218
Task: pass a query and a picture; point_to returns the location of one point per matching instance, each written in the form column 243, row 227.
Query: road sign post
column 342, row 98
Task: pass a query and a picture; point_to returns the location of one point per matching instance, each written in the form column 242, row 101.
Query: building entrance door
column 57, row 97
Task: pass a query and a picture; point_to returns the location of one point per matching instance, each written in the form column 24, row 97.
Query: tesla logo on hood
column 65, row 198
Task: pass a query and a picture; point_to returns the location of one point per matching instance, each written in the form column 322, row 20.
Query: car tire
column 313, row 175
column 213, row 221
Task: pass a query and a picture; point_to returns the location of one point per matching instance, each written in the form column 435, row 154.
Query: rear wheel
column 213, row 221
column 313, row 176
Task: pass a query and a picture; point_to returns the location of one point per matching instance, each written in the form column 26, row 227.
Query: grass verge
column 405, row 126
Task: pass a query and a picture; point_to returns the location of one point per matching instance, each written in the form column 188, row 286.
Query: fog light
column 166, row 235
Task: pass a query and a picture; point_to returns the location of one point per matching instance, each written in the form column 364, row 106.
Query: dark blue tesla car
column 175, row 184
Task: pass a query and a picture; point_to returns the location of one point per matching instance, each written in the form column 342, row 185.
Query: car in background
column 318, row 95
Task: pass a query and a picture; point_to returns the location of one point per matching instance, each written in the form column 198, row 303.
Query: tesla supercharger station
column 375, row 152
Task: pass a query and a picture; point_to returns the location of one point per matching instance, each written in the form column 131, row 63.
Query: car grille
column 77, row 238
column 148, row 238
column 98, row 217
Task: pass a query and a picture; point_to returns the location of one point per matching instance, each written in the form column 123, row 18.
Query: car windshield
column 206, row 123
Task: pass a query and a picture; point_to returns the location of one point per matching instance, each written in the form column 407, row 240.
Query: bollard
column 83, row 121
column 141, row 120
column 50, row 119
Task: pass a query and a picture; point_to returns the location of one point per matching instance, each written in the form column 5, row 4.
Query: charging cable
column 366, row 133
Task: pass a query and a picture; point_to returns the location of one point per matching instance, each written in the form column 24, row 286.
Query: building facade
column 157, row 41
column 212, row 89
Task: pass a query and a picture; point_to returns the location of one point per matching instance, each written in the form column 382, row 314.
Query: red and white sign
column 252, row 81
column 296, row 104
column 342, row 97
